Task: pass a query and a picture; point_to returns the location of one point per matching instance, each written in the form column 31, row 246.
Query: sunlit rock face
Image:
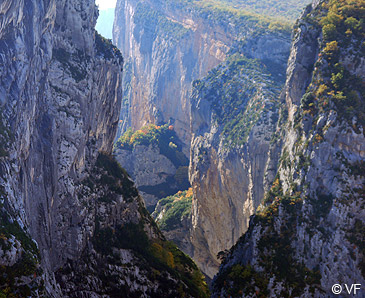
column 60, row 95
column 312, row 218
column 166, row 46
column 234, row 115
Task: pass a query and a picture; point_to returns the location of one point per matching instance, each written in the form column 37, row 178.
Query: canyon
column 182, row 61
column 211, row 143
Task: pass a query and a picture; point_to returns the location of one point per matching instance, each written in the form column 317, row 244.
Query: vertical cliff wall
column 153, row 157
column 169, row 46
column 233, row 153
column 60, row 94
column 60, row 90
column 308, row 233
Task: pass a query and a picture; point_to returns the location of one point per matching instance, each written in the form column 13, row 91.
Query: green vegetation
column 272, row 15
column 275, row 248
column 176, row 208
column 239, row 92
column 158, row 255
column 274, row 199
column 263, row 16
column 239, row 279
column 106, row 48
column 11, row 276
column 278, row 10
column 115, row 178
column 334, row 85
column 163, row 136
column 150, row 19
column 155, row 257
column 5, row 136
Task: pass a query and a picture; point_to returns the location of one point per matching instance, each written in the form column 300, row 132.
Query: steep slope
column 233, row 154
column 169, row 44
column 62, row 199
column 308, row 233
column 173, row 216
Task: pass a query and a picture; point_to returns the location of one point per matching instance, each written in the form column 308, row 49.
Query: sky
column 105, row 4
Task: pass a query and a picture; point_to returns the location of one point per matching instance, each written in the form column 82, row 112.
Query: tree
column 329, row 32
column 351, row 23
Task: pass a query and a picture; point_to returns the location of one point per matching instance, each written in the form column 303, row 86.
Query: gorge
column 215, row 143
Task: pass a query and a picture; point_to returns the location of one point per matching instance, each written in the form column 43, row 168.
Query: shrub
column 331, row 50
column 177, row 207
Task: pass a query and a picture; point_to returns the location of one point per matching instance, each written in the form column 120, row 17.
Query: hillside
column 312, row 216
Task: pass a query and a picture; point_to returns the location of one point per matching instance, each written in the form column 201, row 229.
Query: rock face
column 169, row 46
column 151, row 171
column 60, row 94
column 173, row 215
column 234, row 115
column 308, row 233
column 153, row 157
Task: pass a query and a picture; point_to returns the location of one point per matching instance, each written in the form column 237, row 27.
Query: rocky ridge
column 233, row 157
column 306, row 235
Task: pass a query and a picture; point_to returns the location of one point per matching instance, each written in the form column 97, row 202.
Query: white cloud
column 105, row 4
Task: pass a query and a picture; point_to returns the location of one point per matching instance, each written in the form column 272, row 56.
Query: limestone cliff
column 148, row 168
column 308, row 233
column 233, row 155
column 62, row 199
column 168, row 44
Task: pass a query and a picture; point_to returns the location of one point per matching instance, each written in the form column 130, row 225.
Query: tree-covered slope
column 283, row 11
